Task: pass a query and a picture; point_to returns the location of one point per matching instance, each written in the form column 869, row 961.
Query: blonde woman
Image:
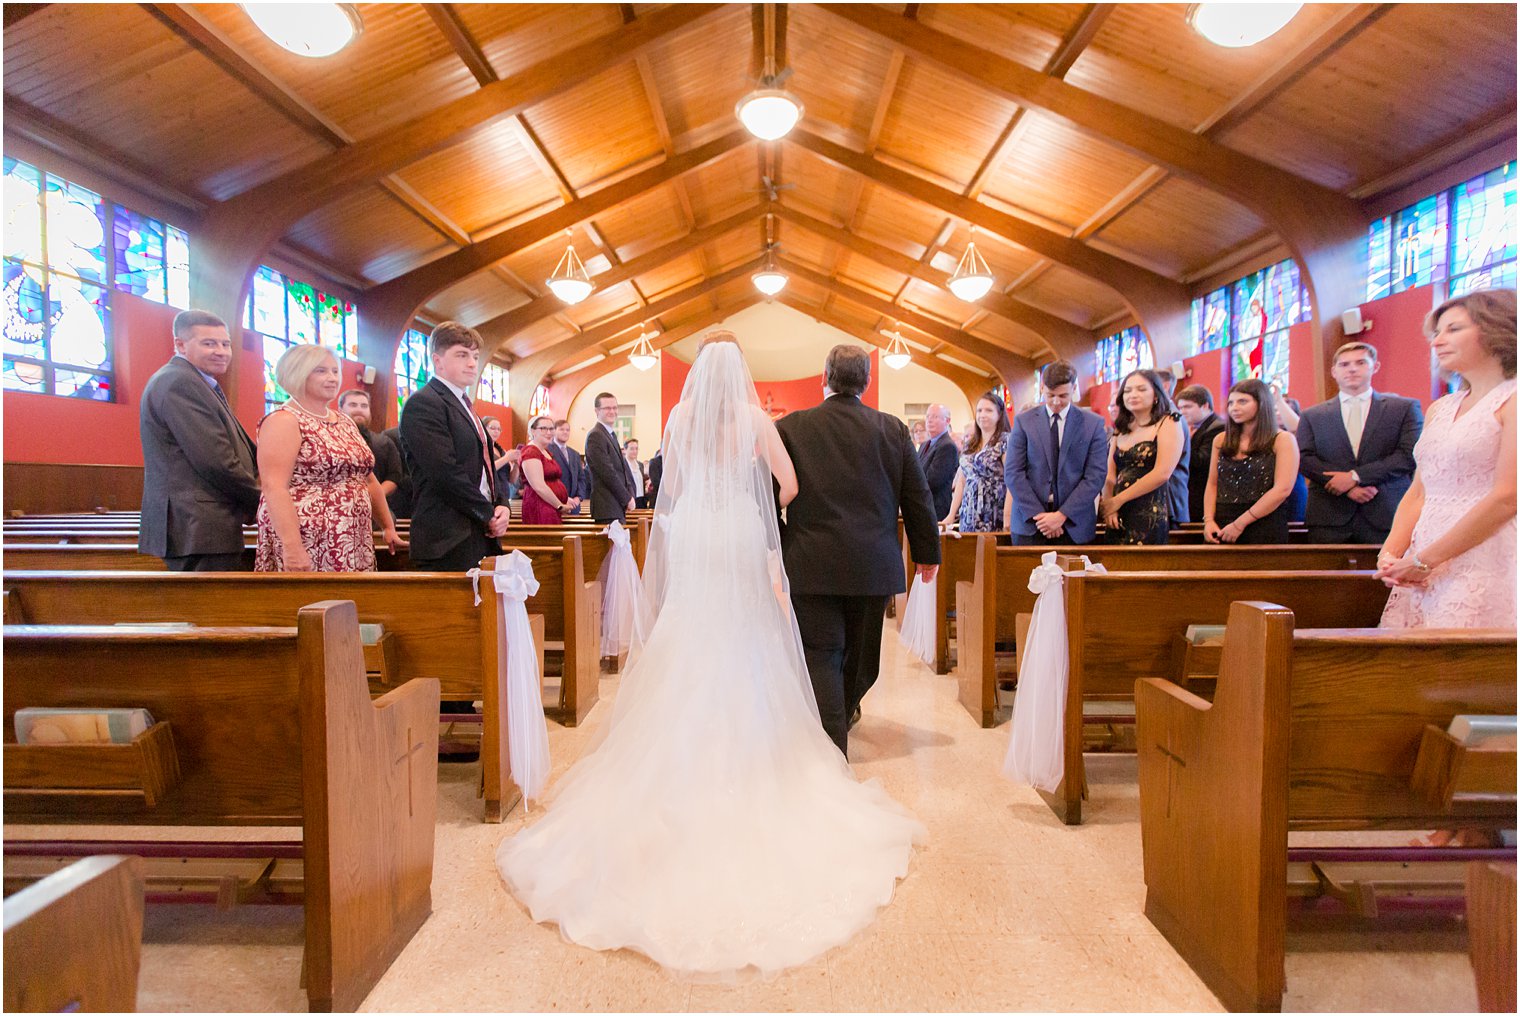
column 320, row 495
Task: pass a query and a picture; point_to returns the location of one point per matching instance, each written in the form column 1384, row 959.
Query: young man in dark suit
column 1054, row 466
column 939, row 458
column 200, row 471
column 457, row 511
column 855, row 472
column 612, row 491
column 572, row 468
column 1197, row 408
column 1357, row 453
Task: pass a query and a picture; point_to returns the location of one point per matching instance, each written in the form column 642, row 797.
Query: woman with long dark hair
column 1145, row 449
column 1251, row 472
column 976, row 503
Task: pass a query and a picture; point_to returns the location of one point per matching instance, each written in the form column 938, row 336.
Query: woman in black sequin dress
column 1252, row 472
column 1145, row 449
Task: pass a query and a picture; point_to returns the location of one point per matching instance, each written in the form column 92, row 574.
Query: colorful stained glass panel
column 139, row 254
column 1419, row 244
column 77, row 320
column 1214, row 320
column 267, row 303
column 22, row 377
column 25, row 329
column 23, row 212
column 1286, row 304
column 82, row 385
column 1379, row 261
column 177, row 265
column 75, row 231
column 301, row 305
column 1495, row 277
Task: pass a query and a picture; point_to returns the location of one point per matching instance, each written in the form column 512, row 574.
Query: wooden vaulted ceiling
column 911, row 136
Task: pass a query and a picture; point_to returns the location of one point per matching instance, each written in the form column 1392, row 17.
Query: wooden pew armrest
column 420, row 693
column 1446, row 769
column 1158, row 694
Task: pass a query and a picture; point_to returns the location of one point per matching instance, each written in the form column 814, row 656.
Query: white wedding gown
column 713, row 826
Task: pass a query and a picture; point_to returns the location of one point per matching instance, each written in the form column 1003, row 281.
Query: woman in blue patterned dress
column 977, row 502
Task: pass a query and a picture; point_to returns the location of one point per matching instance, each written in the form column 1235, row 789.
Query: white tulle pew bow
column 1037, row 734
column 918, row 620
column 527, row 731
column 620, row 592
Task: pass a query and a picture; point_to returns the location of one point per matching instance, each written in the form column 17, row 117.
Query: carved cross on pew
column 1171, row 770
column 414, row 745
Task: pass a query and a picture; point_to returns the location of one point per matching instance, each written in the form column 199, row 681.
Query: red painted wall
column 781, row 397
column 1398, row 332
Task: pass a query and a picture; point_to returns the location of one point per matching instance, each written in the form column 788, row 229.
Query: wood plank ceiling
column 194, row 97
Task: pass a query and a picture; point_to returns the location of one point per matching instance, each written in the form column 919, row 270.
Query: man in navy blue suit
column 939, row 458
column 1054, row 466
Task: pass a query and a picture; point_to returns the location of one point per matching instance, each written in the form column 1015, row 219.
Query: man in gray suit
column 200, row 472
column 612, row 490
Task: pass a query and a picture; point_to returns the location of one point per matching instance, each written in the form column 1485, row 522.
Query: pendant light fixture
column 972, row 279
column 770, row 280
column 770, row 111
column 1236, row 26
column 897, row 355
column 570, row 282
column 314, row 30
column 644, row 355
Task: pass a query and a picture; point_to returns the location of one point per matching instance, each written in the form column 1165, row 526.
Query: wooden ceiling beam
column 667, row 337
column 272, row 206
column 502, row 327
column 446, row 17
column 1005, row 361
column 14, row 13
column 421, row 284
column 1064, row 338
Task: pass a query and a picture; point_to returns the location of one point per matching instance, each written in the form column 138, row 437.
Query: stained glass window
column 493, row 384
column 56, row 331
column 287, row 312
column 539, row 403
column 1002, row 392
column 1462, row 239
column 1123, row 352
column 1251, row 317
column 1210, row 321
column 412, row 367
column 151, row 259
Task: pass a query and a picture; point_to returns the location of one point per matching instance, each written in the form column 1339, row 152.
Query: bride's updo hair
column 721, row 335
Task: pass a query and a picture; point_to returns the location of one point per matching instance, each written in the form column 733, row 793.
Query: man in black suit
column 354, row 403
column 656, row 471
column 939, row 458
column 200, row 470
column 1357, row 453
column 612, row 490
column 1178, row 485
column 572, row 468
column 401, row 500
column 457, row 512
column 1197, row 408
column 855, row 472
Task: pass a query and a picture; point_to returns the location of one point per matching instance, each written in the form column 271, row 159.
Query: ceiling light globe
column 314, row 30
column 897, row 361
column 770, row 281
column 971, row 288
column 769, row 113
column 571, row 291
column 1236, row 26
column 643, row 361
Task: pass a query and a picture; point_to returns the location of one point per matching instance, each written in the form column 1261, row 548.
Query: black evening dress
column 1147, row 518
column 1241, row 483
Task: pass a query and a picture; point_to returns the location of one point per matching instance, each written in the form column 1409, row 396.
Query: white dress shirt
column 464, row 400
column 1061, row 416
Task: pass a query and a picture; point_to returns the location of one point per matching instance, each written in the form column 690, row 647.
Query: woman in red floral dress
column 544, row 498
column 320, row 493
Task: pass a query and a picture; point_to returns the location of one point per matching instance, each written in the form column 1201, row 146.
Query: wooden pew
column 1491, row 933
column 1309, row 729
column 73, row 941
column 88, row 555
column 436, row 628
column 254, row 726
column 994, row 581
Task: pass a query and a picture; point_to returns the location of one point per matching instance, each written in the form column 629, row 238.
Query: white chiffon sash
column 917, row 630
column 620, row 592
column 1037, row 734
column 527, row 731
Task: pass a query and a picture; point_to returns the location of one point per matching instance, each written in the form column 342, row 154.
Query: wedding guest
column 919, row 433
column 200, row 475
column 320, row 493
column 1054, row 466
column 503, row 460
column 572, row 465
column 1178, row 483
column 963, row 441
column 1251, row 471
column 544, row 499
column 1197, row 408
column 656, row 472
column 1288, row 416
column 354, row 403
column 401, row 500
column 612, row 490
column 636, row 473
column 976, row 504
column 938, row 457
column 1143, row 455
column 1358, row 452
column 1450, row 555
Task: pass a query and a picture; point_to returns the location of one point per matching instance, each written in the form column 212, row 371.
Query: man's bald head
column 937, row 419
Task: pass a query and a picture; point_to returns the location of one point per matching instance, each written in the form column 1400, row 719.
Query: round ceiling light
column 769, row 113
column 769, row 281
column 313, row 30
column 1238, row 25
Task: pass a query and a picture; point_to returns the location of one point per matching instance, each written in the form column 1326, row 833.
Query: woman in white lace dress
column 713, row 825
column 1450, row 556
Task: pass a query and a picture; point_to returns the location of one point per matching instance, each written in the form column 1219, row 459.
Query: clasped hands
column 1395, row 571
column 570, row 506
column 499, row 520
column 1337, row 482
column 1050, row 524
column 1108, row 509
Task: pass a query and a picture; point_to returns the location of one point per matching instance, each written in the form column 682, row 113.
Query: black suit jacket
column 571, row 469
column 1385, row 459
column 855, row 472
column 611, row 489
column 399, row 499
column 939, row 460
column 446, row 456
column 1199, row 458
column 1177, row 491
column 656, row 471
column 200, row 471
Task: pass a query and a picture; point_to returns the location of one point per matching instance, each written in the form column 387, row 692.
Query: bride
column 712, row 824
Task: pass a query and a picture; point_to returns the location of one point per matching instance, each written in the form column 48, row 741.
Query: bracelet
column 1254, row 516
column 1418, row 564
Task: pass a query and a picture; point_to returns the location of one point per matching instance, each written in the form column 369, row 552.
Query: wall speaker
column 1180, row 370
column 1352, row 322
column 367, row 375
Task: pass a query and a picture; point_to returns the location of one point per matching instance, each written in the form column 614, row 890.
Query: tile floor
column 1003, row 909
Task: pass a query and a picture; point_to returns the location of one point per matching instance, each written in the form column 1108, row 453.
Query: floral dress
column 1458, row 460
column 330, row 487
column 982, row 497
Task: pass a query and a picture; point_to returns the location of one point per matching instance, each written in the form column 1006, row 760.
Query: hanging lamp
column 972, row 279
column 644, row 355
column 897, row 355
column 570, row 282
